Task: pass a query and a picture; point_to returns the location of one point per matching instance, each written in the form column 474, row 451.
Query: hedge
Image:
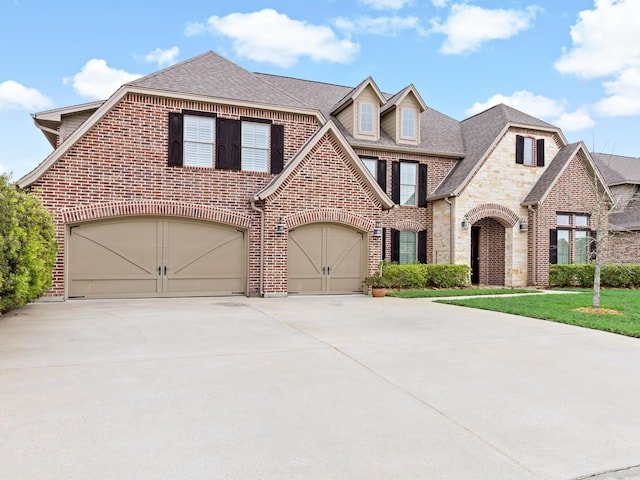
column 27, row 246
column 616, row 275
column 426, row 275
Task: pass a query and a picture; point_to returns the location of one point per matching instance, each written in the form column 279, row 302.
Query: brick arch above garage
column 502, row 214
column 331, row 215
column 154, row 207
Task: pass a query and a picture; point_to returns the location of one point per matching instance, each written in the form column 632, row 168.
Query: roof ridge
column 177, row 65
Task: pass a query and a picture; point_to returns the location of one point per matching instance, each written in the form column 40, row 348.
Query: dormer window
column 529, row 151
column 366, row 117
column 408, row 127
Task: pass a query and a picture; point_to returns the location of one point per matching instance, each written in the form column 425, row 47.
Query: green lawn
column 561, row 308
column 457, row 292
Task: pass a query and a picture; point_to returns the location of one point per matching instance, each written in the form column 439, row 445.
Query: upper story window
column 366, row 117
column 563, row 219
column 408, row 183
column 372, row 166
column 408, row 127
column 199, row 141
column 255, row 146
column 582, row 220
column 529, row 151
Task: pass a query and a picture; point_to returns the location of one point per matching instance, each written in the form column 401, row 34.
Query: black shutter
column 382, row 174
column 384, row 243
column 422, row 246
column 540, row 152
column 277, row 148
column 395, row 182
column 553, row 246
column 175, row 139
column 395, row 245
column 228, row 144
column 422, row 185
column 520, row 149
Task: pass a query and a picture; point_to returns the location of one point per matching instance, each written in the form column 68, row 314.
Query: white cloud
column 605, row 40
column 15, row 95
column 575, row 121
column 272, row 37
column 98, row 80
column 623, row 95
column 439, row 3
column 553, row 111
column 386, row 4
column 163, row 58
column 535, row 105
column 378, row 25
column 470, row 26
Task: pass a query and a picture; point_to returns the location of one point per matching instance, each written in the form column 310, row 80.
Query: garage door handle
column 328, row 270
column 165, row 270
column 159, row 270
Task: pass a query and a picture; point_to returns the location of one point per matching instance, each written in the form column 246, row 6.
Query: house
column 622, row 175
column 206, row 179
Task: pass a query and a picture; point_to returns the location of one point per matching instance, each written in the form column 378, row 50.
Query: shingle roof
column 479, row 133
column 211, row 75
column 618, row 169
column 628, row 219
column 551, row 173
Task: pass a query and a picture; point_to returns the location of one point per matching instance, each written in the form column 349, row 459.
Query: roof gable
column 399, row 97
column 353, row 94
column 289, row 170
column 556, row 168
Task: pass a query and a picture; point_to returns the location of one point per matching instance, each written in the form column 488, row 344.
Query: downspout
column 261, row 212
column 452, row 225
column 534, row 247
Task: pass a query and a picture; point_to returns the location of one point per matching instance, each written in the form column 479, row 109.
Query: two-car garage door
column 154, row 257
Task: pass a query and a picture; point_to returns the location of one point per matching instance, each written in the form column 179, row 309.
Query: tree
column 27, row 246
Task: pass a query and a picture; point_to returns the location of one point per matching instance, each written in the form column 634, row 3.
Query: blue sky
column 573, row 63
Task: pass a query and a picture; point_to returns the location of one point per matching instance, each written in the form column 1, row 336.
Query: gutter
column 261, row 212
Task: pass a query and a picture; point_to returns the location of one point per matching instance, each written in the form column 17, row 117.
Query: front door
column 475, row 255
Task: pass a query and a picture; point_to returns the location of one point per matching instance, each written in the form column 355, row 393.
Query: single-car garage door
column 155, row 257
column 326, row 258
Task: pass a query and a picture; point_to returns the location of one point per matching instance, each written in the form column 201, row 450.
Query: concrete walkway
column 312, row 388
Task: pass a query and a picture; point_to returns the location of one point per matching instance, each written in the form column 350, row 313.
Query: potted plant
column 378, row 283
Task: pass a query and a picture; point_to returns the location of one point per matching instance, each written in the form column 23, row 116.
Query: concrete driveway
column 311, row 388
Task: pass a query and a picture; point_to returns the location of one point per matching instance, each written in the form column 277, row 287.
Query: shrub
column 421, row 275
column 612, row 275
column 27, row 247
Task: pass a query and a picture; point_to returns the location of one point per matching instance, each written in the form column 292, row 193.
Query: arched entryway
column 488, row 252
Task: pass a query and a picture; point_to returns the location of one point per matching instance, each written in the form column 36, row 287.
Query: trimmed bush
column 614, row 275
column 27, row 247
column 426, row 275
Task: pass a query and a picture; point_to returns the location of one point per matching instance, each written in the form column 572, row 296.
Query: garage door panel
column 325, row 258
column 143, row 257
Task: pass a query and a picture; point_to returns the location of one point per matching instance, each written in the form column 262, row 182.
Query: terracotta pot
column 378, row 292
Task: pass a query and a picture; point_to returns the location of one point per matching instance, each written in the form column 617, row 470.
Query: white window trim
column 402, row 124
column 414, row 185
column 361, row 118
column 204, row 147
column 253, row 149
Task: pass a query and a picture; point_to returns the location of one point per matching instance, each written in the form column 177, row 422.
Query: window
column 529, row 151
column 199, row 135
column 408, row 182
column 582, row 220
column 366, row 117
column 407, row 247
column 581, row 246
column 202, row 139
column 408, row 123
column 255, row 146
column 571, row 241
column 563, row 247
column 372, row 166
